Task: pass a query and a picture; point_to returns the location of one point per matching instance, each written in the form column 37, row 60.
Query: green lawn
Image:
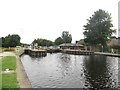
column 0, row 63
column 0, row 81
column 9, row 81
column 9, row 62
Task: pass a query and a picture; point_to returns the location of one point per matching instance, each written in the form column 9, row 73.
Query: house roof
column 70, row 44
column 113, row 41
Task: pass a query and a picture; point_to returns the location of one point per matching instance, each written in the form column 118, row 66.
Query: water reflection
column 97, row 72
column 65, row 64
column 119, row 73
column 71, row 71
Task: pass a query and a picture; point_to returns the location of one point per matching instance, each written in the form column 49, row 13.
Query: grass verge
column 9, row 62
column 0, row 81
column 9, row 81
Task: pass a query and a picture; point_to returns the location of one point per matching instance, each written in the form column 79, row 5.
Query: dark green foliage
column 98, row 29
column 58, row 41
column 81, row 42
column 11, row 40
column 67, row 38
column 43, row 42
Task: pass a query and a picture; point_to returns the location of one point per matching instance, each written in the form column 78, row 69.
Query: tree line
column 97, row 32
column 10, row 40
column 14, row 40
column 65, row 38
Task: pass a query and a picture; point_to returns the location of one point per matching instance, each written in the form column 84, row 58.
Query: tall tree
column 58, row 41
column 98, row 29
column 15, row 40
column 67, row 38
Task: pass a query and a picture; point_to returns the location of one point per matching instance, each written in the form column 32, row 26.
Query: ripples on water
column 71, row 71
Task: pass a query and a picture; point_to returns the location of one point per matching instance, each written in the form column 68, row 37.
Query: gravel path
column 2, row 54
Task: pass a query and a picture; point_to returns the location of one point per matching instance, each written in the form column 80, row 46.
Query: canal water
column 61, row 70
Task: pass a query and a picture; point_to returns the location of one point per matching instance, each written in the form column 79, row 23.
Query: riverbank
column 107, row 54
column 78, row 52
column 21, row 76
column 7, row 71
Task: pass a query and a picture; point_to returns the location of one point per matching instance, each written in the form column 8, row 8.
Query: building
column 113, row 42
column 72, row 46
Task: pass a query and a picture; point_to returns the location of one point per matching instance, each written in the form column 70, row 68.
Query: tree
column 2, row 39
column 14, row 40
column 58, row 41
column 11, row 40
column 43, row 42
column 7, row 41
column 82, row 42
column 67, row 38
column 98, row 29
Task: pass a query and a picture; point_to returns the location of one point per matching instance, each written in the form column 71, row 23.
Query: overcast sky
column 48, row 18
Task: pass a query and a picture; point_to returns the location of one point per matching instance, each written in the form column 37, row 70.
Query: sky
column 32, row 19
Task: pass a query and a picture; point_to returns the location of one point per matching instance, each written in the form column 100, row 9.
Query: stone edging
column 21, row 75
